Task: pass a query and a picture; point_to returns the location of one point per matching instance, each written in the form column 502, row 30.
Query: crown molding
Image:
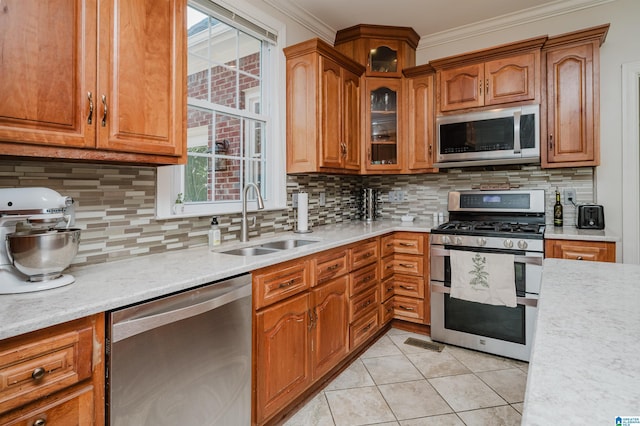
column 510, row 20
column 304, row 18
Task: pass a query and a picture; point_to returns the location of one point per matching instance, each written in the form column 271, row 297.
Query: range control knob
column 458, row 241
column 522, row 244
column 508, row 244
column 482, row 242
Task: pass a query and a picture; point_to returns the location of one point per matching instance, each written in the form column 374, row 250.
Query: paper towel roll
column 303, row 211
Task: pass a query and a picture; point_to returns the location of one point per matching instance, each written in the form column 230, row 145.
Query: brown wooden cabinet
column 573, row 99
column 420, row 119
column 54, row 375
column 405, row 275
column 599, row 251
column 499, row 81
column 116, row 92
column 382, row 119
column 323, row 110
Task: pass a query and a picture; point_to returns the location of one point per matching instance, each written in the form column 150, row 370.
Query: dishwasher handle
column 139, row 319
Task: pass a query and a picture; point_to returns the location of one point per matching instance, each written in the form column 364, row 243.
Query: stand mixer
column 33, row 251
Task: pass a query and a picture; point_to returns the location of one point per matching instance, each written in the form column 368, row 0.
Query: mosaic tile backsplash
column 115, row 205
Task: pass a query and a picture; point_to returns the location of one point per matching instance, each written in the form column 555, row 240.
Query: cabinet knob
column 40, row 422
column 38, row 373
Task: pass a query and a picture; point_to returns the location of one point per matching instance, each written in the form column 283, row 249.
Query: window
column 232, row 118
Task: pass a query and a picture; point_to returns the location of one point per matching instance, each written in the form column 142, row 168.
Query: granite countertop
column 107, row 286
column 584, row 365
column 572, row 233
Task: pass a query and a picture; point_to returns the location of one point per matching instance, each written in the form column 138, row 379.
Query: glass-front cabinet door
column 382, row 127
column 384, row 58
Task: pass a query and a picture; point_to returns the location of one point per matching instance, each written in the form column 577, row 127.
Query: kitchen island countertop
column 585, row 367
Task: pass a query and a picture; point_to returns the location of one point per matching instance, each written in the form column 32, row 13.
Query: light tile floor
column 397, row 384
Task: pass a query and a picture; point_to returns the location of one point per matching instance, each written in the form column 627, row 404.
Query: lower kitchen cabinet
column 54, row 376
column 282, row 361
column 599, row 251
column 329, row 331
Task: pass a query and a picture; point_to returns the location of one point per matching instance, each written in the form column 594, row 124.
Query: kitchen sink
column 286, row 244
column 270, row 247
column 250, row 251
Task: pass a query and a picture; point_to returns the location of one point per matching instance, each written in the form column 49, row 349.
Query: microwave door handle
column 516, row 132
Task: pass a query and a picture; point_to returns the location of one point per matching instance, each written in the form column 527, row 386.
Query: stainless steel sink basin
column 286, row 244
column 250, row 251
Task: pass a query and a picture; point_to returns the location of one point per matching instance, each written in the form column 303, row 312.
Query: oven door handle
column 526, row 301
column 531, row 260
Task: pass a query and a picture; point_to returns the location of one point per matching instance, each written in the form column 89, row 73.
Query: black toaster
column 590, row 216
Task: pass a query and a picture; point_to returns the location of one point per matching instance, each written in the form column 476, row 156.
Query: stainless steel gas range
column 485, row 224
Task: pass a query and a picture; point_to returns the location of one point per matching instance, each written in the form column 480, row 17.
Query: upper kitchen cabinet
column 420, row 126
column 323, row 109
column 384, row 50
column 93, row 80
column 382, row 131
column 500, row 75
column 573, row 99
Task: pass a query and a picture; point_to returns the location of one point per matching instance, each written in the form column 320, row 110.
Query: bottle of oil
column 557, row 210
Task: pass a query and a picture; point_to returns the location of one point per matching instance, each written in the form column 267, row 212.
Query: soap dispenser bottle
column 214, row 233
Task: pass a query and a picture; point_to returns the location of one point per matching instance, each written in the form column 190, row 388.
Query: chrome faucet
column 244, row 237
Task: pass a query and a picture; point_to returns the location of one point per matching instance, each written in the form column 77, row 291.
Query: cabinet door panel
column 461, row 87
column 421, row 127
column 142, row 76
column 511, row 79
column 282, row 354
column 48, row 52
column 331, row 113
column 330, row 338
column 351, row 120
column 570, row 100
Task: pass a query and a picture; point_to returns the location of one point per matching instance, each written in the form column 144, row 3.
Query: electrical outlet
column 323, row 199
column 402, row 196
column 570, row 196
column 393, row 196
column 294, row 200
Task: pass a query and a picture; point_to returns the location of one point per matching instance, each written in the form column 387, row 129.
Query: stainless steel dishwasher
column 183, row 359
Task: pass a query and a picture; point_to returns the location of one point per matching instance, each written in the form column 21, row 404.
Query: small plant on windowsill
column 178, row 205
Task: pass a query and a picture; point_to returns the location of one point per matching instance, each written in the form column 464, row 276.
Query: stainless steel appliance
column 36, row 243
column 369, row 204
column 499, row 136
column 183, row 359
column 510, row 222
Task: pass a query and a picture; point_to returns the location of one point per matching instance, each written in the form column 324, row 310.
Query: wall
column 621, row 46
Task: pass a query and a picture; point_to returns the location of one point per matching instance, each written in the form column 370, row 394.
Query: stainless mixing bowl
column 43, row 255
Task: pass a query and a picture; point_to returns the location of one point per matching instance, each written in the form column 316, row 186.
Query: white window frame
column 170, row 179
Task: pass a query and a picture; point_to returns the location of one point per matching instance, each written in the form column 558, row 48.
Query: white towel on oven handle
column 483, row 277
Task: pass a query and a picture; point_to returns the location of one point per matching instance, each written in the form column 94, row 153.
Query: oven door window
column 497, row 322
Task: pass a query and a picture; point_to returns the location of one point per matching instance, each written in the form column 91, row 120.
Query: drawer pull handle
column 367, row 279
column 389, row 266
column 407, row 244
column 367, row 255
column 287, row 284
column 579, row 258
column 40, row 422
column 389, row 244
column 406, row 308
column 38, row 373
column 406, row 265
column 407, row 287
column 366, row 328
column 389, row 289
column 367, row 303
column 333, row 267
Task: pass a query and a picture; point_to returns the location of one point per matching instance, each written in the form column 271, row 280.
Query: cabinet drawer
column 36, row 368
column 408, row 285
column 279, row 282
column 364, row 328
column 364, row 254
column 403, row 264
column 363, row 303
column 66, row 408
column 330, row 266
column 403, row 242
column 600, row 251
column 386, row 289
column 363, row 279
column 408, row 308
column 386, row 311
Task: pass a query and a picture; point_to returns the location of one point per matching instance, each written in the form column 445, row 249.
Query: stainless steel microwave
column 498, row 136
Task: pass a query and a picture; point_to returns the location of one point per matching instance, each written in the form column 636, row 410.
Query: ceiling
column 427, row 17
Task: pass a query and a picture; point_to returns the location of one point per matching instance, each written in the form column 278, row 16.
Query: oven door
column 494, row 329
